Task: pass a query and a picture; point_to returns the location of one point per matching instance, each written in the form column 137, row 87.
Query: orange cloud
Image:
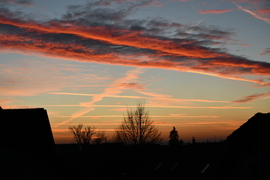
column 125, row 37
column 161, row 52
column 211, row 11
column 72, row 51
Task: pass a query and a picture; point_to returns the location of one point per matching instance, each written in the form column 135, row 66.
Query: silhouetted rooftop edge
column 20, row 108
column 32, row 125
column 247, row 150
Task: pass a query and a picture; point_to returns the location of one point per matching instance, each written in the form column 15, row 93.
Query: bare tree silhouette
column 100, row 137
column 82, row 135
column 137, row 128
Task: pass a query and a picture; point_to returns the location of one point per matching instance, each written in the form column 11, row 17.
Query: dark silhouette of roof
column 28, row 148
column 26, row 127
column 247, row 153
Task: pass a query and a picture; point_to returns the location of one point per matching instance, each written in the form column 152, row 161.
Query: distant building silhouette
column 193, row 140
column 26, row 127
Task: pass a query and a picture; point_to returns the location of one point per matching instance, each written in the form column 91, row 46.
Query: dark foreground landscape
column 243, row 155
column 114, row 161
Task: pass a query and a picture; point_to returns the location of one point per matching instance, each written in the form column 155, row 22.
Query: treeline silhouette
column 137, row 128
column 135, row 151
column 243, row 155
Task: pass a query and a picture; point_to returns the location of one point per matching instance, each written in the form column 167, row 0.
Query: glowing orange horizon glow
column 157, row 106
column 117, row 116
column 186, row 130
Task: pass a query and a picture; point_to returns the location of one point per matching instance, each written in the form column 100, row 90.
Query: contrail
column 113, row 89
column 265, row 19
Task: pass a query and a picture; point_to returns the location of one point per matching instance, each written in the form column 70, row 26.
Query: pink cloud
column 211, row 11
column 257, row 1
column 250, row 1
column 263, row 11
column 4, row 101
column 265, row 19
column 132, row 85
column 119, row 109
column 155, row 3
column 245, row 45
column 253, row 97
column 265, row 52
column 27, row 3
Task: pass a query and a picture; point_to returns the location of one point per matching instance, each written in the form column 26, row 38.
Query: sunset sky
column 202, row 66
